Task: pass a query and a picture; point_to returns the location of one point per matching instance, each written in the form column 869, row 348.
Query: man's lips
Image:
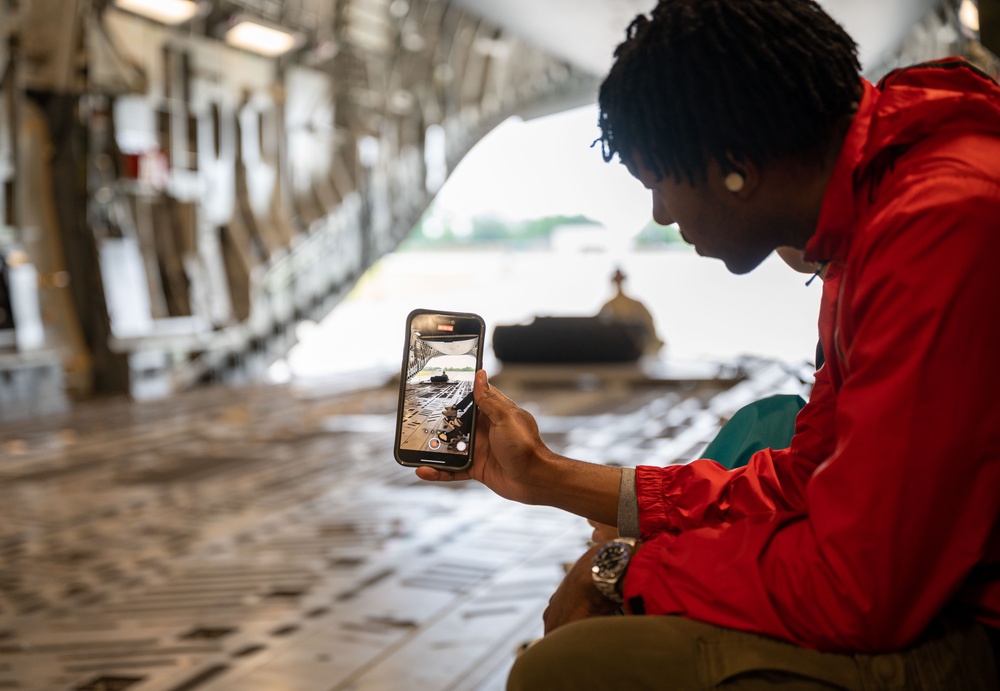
column 686, row 239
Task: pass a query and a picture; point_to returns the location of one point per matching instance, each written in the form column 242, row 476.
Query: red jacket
column 884, row 510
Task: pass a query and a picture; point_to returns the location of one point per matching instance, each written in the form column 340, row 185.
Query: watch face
column 610, row 560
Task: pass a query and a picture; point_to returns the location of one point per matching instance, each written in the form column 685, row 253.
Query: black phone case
column 441, row 422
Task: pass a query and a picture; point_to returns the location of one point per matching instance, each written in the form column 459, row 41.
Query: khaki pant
column 658, row 652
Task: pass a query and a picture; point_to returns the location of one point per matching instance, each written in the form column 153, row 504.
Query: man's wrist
column 542, row 481
column 586, row 489
column 609, row 566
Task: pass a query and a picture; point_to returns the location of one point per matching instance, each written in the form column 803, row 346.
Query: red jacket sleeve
column 861, row 546
column 703, row 492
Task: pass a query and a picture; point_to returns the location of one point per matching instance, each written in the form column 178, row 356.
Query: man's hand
column 576, row 597
column 509, row 450
column 602, row 533
column 512, row 460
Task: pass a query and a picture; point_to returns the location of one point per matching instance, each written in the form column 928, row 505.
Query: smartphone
column 436, row 416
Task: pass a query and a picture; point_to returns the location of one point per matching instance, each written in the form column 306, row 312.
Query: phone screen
column 436, row 417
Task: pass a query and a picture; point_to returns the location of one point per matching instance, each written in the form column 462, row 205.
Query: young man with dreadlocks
column 867, row 554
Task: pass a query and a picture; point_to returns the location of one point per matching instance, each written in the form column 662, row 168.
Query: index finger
column 430, row 474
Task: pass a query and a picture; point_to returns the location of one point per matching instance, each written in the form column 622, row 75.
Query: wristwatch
column 609, row 567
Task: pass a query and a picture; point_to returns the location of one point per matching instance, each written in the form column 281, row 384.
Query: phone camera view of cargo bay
column 437, row 404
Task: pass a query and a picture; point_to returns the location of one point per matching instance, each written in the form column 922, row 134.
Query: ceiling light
column 968, row 13
column 258, row 38
column 164, row 11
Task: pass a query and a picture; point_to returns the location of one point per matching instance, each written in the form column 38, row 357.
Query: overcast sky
column 545, row 167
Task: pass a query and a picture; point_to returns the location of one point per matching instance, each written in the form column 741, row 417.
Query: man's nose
column 660, row 213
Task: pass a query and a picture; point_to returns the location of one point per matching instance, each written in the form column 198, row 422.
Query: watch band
column 609, row 566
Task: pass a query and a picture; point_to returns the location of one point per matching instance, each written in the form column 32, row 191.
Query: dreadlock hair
column 759, row 80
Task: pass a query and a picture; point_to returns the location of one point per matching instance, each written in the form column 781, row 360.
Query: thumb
column 489, row 399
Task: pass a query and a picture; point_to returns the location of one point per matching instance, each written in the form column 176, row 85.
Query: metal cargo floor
column 263, row 539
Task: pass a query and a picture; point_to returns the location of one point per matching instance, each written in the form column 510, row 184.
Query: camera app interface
column 437, row 405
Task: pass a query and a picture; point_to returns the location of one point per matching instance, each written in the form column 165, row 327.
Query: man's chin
column 741, row 265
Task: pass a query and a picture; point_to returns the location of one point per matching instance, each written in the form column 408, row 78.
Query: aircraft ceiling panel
column 582, row 32
column 585, row 32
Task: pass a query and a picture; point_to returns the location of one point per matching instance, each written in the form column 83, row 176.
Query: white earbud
column 734, row 182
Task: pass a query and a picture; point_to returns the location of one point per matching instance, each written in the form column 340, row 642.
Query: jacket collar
column 838, row 213
column 941, row 98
